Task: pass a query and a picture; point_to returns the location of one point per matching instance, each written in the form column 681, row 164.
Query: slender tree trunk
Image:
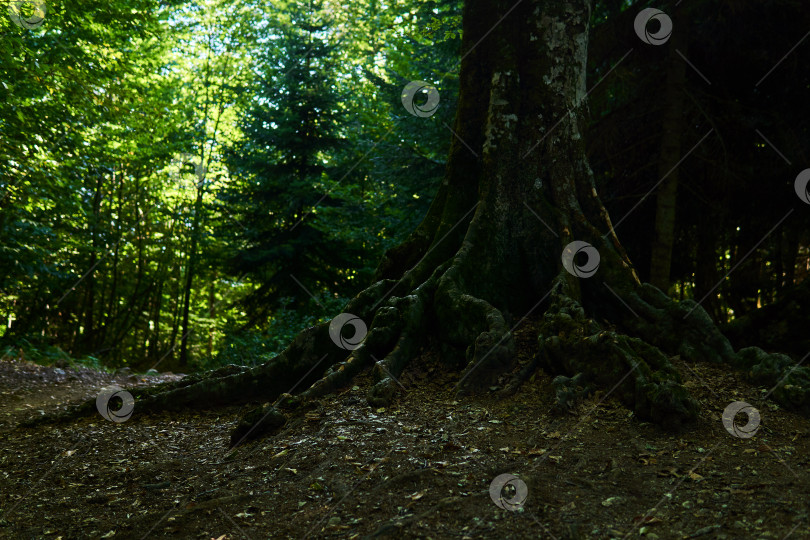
column 90, row 295
column 791, row 242
column 671, row 153
column 177, row 312
column 709, row 247
column 112, row 303
column 192, row 263
column 162, row 275
column 212, row 313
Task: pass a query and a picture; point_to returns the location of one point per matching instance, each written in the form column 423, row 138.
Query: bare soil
column 419, row 469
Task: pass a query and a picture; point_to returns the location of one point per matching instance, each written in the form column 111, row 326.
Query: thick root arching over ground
column 570, row 344
column 630, row 361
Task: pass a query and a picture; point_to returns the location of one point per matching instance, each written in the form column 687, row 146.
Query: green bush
column 253, row 346
column 49, row 355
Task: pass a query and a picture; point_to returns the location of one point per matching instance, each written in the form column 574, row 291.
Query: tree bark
column 671, row 153
column 191, row 266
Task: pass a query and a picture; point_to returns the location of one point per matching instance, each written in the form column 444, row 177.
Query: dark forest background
column 188, row 184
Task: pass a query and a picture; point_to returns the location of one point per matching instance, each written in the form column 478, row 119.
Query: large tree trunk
column 496, row 247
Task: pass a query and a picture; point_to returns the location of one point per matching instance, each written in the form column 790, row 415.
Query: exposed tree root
column 780, row 326
column 299, row 365
column 568, row 391
column 790, row 382
column 685, row 328
column 583, row 352
column 398, row 330
column 640, row 374
column 475, row 324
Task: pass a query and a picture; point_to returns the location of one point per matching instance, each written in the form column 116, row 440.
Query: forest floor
column 419, row 469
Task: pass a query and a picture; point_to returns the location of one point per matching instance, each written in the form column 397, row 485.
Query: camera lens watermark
column 584, row 270
column 336, row 331
column 802, row 185
column 111, row 396
column 27, row 14
column 730, row 414
column 508, row 492
column 420, row 88
column 643, row 19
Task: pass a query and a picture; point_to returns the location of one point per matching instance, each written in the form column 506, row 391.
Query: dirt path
column 420, row 469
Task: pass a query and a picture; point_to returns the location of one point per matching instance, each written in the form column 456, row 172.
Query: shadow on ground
column 420, row 469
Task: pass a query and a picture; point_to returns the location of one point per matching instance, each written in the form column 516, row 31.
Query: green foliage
column 284, row 192
column 120, row 217
column 252, row 346
column 49, row 355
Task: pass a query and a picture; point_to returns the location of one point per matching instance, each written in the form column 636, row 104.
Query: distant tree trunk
column 177, row 293
column 87, row 336
column 791, row 252
column 671, row 154
column 163, row 274
column 157, row 305
column 113, row 301
column 212, row 304
column 191, row 267
column 708, row 249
